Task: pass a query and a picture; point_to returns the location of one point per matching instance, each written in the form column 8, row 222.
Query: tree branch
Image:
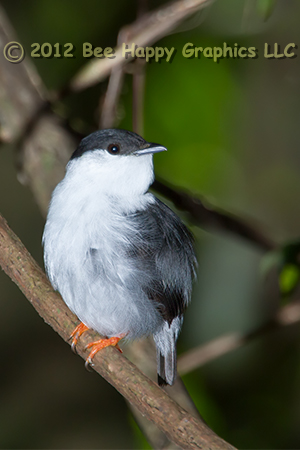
column 21, row 93
column 197, row 357
column 145, row 31
column 180, row 427
column 206, row 216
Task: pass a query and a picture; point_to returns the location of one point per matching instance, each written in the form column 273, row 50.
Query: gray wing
column 165, row 251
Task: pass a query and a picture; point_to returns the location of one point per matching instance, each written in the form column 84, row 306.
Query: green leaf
column 289, row 278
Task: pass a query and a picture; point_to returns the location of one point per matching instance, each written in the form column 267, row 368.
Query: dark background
column 232, row 131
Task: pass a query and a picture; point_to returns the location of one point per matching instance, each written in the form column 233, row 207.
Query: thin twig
column 138, row 93
column 144, row 31
column 199, row 356
column 109, row 106
column 116, row 79
column 180, row 427
column 114, row 88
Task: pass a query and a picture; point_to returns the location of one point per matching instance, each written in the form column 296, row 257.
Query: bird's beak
column 153, row 148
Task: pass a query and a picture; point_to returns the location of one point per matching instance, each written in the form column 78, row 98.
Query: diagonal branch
column 180, row 427
column 144, row 31
column 197, row 357
column 205, row 216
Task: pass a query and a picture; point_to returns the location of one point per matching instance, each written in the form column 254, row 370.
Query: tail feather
column 166, row 367
column 165, row 341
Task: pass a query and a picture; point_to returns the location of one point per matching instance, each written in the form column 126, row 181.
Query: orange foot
column 99, row 345
column 79, row 330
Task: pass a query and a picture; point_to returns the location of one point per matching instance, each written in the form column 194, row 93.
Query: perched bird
column 121, row 259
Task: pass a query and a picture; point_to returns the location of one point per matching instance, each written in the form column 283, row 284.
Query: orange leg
column 99, row 345
column 79, row 330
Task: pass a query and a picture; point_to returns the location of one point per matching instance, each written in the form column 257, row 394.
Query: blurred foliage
column 232, row 131
column 290, row 268
column 289, row 278
column 266, row 7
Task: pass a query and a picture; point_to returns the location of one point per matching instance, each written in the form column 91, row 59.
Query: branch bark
column 181, row 428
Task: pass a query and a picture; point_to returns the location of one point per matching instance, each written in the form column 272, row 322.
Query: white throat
column 105, row 180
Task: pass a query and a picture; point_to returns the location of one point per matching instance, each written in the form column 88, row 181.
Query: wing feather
column 164, row 249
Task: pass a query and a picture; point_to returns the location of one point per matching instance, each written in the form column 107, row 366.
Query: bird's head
column 118, row 161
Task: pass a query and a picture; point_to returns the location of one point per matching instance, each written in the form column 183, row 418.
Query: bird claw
column 99, row 345
column 118, row 348
column 79, row 330
column 89, row 364
column 73, row 346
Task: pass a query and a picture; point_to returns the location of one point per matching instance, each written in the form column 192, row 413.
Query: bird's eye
column 113, row 149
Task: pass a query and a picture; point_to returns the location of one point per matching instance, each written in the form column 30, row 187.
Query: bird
column 121, row 259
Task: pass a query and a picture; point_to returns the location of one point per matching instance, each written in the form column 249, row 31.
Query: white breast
column 85, row 241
